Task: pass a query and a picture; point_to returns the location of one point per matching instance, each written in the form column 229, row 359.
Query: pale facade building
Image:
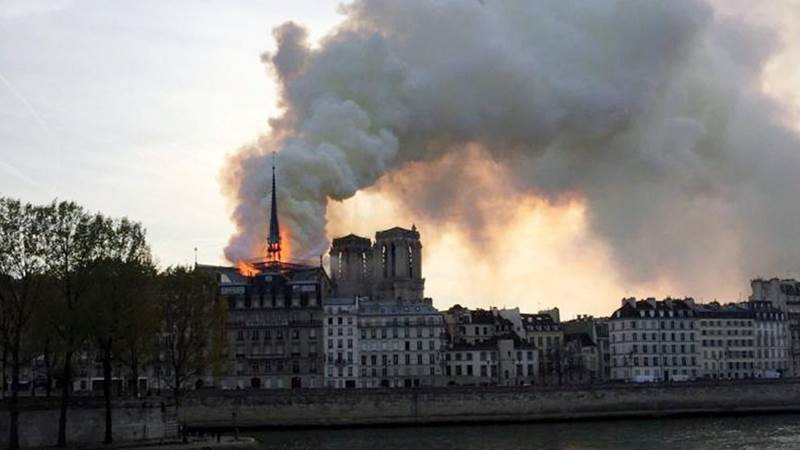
column 744, row 340
column 400, row 344
column 654, row 340
column 340, row 327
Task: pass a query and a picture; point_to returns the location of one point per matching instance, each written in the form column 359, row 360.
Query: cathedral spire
column 274, row 239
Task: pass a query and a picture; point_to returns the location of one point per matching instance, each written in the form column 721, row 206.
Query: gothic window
column 384, row 264
column 339, row 265
column 410, row 263
column 363, row 265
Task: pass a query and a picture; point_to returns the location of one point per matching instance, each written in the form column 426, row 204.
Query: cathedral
column 363, row 323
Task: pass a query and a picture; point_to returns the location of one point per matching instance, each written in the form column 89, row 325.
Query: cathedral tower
column 351, row 261
column 397, row 266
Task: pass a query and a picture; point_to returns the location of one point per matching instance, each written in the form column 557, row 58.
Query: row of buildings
column 369, row 325
column 366, row 323
column 294, row 326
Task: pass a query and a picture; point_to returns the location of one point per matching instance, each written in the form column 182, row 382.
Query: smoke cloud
column 651, row 112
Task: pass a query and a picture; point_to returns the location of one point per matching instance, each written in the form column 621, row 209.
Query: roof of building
column 751, row 309
column 351, row 239
column 539, row 322
column 264, row 273
column 398, row 232
column 633, row 308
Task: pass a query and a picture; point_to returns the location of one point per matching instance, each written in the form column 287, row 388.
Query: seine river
column 744, row 432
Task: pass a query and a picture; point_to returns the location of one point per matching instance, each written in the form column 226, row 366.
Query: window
column 384, row 262
column 410, row 262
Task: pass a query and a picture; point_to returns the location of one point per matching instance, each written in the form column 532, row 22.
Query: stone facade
column 313, row 408
column 388, row 271
column 149, row 420
column 341, row 342
column 275, row 326
column 400, row 345
column 654, row 341
column 678, row 340
column 744, row 340
column 784, row 294
column 485, row 349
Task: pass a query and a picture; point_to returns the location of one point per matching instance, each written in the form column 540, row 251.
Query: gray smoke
column 649, row 110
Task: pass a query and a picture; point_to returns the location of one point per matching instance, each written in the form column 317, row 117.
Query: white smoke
column 649, row 110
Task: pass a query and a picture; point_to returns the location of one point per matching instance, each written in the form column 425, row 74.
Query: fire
column 286, row 247
column 246, row 269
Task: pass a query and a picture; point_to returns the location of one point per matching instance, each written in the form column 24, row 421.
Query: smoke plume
column 651, row 112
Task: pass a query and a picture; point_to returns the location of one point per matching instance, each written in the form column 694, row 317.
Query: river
column 739, row 432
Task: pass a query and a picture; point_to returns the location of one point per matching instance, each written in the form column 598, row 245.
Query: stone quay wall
column 343, row 408
column 145, row 419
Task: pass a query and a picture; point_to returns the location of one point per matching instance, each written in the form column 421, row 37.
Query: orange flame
column 246, row 269
column 286, row 246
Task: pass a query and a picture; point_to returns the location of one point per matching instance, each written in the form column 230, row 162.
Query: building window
column 410, row 263
column 384, row 262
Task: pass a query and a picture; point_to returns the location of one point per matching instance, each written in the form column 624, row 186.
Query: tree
column 141, row 323
column 192, row 317
column 75, row 242
column 22, row 286
column 117, row 280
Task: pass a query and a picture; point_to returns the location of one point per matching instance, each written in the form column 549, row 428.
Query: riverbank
column 151, row 419
column 454, row 405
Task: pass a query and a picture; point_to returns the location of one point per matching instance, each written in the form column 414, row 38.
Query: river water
column 740, row 432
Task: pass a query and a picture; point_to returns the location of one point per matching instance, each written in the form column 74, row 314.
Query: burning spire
column 274, row 238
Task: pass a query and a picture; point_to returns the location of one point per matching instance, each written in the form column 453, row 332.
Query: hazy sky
column 130, row 108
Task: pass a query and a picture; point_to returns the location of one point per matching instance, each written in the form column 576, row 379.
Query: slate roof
column 632, row 308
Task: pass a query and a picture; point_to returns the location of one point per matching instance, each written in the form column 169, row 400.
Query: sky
column 131, row 108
